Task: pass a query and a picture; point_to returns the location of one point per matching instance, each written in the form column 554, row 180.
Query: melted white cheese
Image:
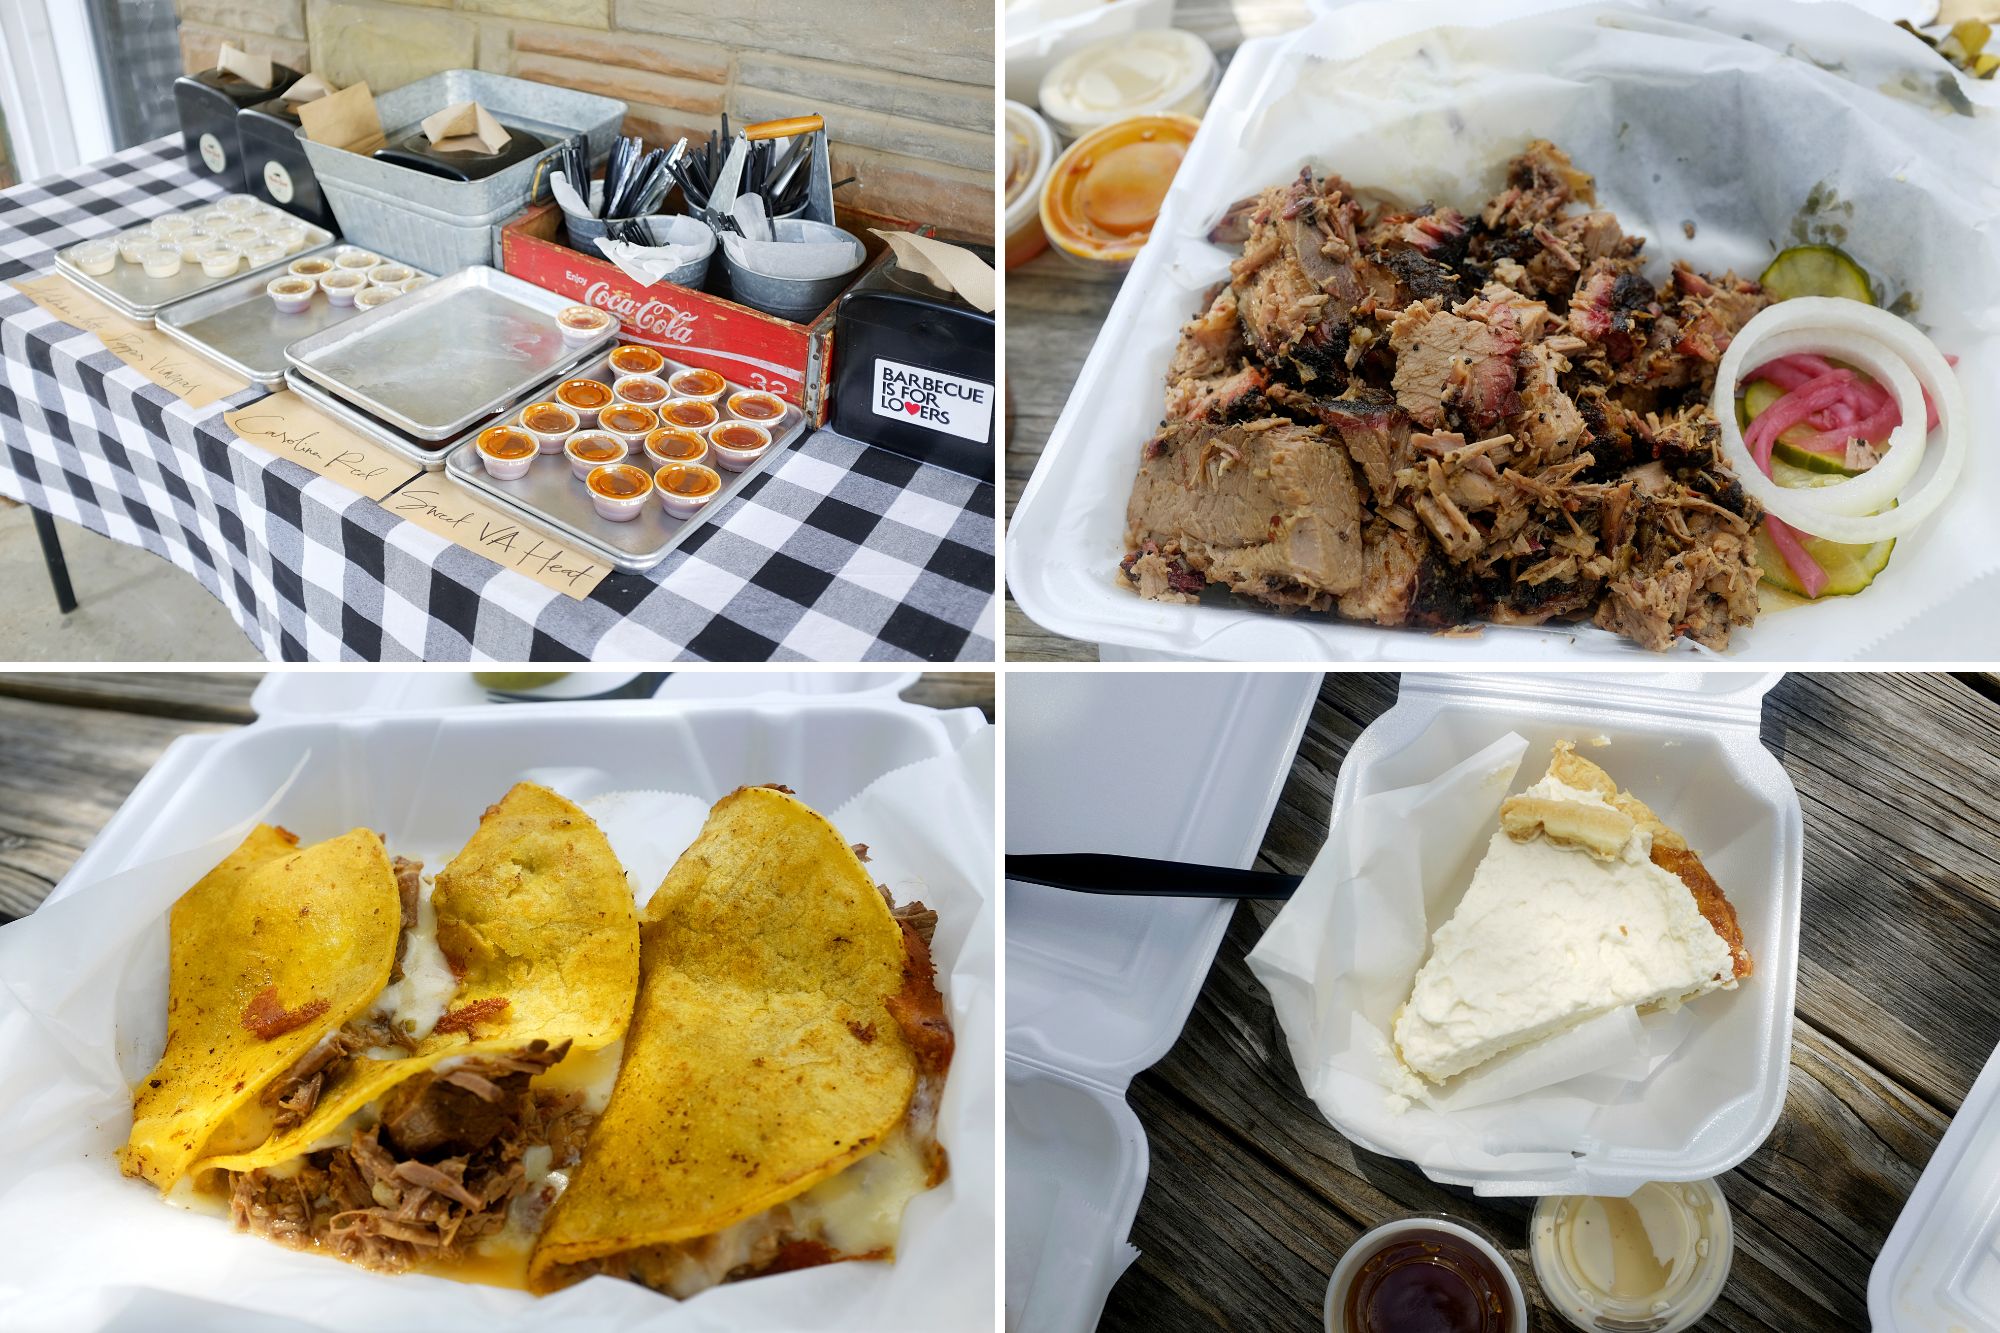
column 420, row 998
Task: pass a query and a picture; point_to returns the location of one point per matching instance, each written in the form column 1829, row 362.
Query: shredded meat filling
column 436, row 1175
column 1425, row 419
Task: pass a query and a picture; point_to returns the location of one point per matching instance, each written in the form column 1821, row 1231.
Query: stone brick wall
column 906, row 86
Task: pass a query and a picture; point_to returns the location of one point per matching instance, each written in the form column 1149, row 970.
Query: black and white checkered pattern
column 837, row 552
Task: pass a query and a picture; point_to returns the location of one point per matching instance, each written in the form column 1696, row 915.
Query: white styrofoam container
column 1065, row 536
column 1688, row 745
column 1035, row 45
column 296, row 694
column 409, row 775
column 1182, row 765
column 1940, row 1267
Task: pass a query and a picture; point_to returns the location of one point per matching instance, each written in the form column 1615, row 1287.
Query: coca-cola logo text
column 663, row 320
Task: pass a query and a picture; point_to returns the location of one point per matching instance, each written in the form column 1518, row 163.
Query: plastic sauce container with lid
column 1031, row 151
column 1163, row 70
column 1449, row 1272
column 1651, row 1263
column 1102, row 197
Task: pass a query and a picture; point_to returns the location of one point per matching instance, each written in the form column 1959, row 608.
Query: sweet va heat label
column 931, row 398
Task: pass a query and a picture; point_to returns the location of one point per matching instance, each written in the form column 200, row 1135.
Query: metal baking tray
column 551, row 494
column 132, row 294
column 238, row 328
column 462, row 349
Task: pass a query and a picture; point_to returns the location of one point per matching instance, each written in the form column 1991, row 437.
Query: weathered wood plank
column 1252, row 1196
column 208, row 696
column 954, row 689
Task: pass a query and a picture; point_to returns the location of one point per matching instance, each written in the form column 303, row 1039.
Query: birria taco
column 777, row 1103
column 417, row 1122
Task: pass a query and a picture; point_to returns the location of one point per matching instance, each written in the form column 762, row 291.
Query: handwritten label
column 182, row 373
column 287, row 426
column 451, row 511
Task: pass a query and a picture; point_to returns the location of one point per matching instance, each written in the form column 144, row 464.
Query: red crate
column 794, row 361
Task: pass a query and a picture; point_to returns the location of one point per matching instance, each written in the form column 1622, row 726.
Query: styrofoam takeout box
column 1940, row 1267
column 295, row 694
column 1040, row 34
column 1186, row 766
column 1687, row 744
column 1066, row 535
column 422, row 779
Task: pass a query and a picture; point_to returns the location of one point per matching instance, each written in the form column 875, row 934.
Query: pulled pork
column 1427, row 419
column 438, row 1172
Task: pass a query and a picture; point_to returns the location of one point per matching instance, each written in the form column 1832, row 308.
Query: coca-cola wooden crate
column 794, row 361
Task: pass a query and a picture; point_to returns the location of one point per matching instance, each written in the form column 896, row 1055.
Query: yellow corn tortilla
column 318, row 924
column 763, row 1057
column 534, row 910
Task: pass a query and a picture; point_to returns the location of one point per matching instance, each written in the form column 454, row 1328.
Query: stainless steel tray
column 132, row 294
column 550, row 494
column 426, row 454
column 238, row 328
column 458, row 350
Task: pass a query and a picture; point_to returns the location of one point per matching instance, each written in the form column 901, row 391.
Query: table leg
column 52, row 555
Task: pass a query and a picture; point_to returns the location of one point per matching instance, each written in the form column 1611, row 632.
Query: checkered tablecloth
column 836, row 552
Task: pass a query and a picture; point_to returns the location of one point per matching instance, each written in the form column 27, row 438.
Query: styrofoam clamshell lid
column 1940, row 1267
column 1182, row 766
column 284, row 695
column 1686, row 743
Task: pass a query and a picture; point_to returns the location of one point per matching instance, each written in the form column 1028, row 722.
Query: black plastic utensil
column 1144, row 877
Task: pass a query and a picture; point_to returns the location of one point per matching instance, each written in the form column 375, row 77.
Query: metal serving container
column 551, row 495
column 132, row 294
column 447, row 356
column 237, row 326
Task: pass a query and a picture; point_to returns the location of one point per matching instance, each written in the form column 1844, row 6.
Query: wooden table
column 1252, row 1196
column 1053, row 314
column 72, row 747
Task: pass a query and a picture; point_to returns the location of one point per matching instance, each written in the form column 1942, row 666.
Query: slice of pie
column 1585, row 902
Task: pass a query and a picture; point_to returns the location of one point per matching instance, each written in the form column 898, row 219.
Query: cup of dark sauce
column 1425, row 1274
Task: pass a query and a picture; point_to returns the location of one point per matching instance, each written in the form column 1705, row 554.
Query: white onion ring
column 1877, row 488
column 1920, row 356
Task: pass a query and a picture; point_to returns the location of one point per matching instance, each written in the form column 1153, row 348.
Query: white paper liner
column 1341, row 957
column 1684, row 111
column 81, row 988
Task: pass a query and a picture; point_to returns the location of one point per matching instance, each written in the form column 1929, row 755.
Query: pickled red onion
column 1811, row 575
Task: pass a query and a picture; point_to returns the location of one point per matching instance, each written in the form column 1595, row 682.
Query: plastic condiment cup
column 507, row 452
column 589, row 450
column 417, row 282
column 172, row 226
column 1031, row 151
column 1103, row 196
column 290, row 292
column 671, row 444
column 312, row 266
column 1334, row 1312
column 618, row 491
column 133, row 243
column 237, row 203
column 738, row 444
column 629, row 422
column 264, row 252
column 354, row 259
column 550, row 423
column 581, row 323
column 685, row 489
column 213, row 217
column 754, row 405
column 1682, row 1231
column 390, row 275
column 219, row 259
column 243, row 237
column 1152, row 72
column 95, row 257
column 161, row 261
column 341, row 285
column 293, row 238
column 194, row 244
column 585, row 397
column 641, row 389
column 632, row 359
column 689, row 414
column 697, row 383
column 370, row 297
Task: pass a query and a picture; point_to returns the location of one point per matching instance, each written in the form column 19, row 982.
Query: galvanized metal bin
column 445, row 225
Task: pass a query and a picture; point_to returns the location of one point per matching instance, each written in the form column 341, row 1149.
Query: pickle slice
column 1816, row 270
column 1760, row 395
column 1849, row 569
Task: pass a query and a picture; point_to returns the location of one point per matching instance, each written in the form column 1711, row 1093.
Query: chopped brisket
column 409, row 878
column 1412, row 418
